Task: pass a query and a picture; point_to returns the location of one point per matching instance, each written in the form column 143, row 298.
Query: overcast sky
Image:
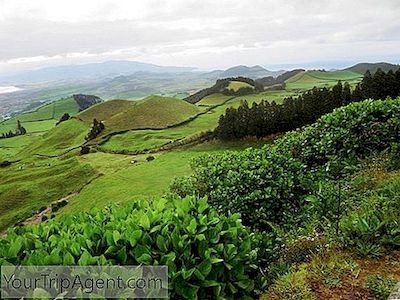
column 207, row 34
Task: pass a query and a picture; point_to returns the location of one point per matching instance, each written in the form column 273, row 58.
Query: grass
column 42, row 119
column 28, row 185
column 236, row 85
column 151, row 112
column 214, row 99
column 11, row 146
column 308, row 80
column 124, row 182
column 149, row 139
column 67, row 135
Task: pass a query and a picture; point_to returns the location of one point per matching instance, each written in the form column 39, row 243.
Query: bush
column 379, row 286
column 273, row 184
column 264, row 186
column 183, row 186
column 150, row 158
column 85, row 150
column 208, row 256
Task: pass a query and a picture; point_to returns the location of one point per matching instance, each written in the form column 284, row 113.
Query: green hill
column 308, row 79
column 372, row 67
column 151, row 112
column 45, row 117
column 65, row 136
column 236, row 85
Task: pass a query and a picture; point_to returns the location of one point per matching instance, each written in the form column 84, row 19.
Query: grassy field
column 65, row 136
column 28, row 185
column 236, row 85
column 214, row 99
column 307, row 80
column 121, row 180
column 148, row 139
column 42, row 119
column 125, row 182
column 151, row 112
column 10, row 147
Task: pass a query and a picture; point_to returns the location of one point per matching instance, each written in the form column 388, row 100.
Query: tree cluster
column 20, row 130
column 221, row 86
column 96, row 129
column 64, row 117
column 271, row 81
column 267, row 118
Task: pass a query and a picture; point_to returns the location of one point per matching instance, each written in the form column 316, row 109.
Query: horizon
column 204, row 35
column 311, row 65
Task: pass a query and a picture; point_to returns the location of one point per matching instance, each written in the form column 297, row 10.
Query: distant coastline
column 9, row 89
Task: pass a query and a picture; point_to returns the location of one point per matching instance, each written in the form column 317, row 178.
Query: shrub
column 264, row 186
column 150, row 158
column 379, row 286
column 208, row 255
column 271, row 184
column 85, row 150
column 183, row 186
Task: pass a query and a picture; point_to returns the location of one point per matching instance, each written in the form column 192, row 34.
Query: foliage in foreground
column 272, row 184
column 208, row 255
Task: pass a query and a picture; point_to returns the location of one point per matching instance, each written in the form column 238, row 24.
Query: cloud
column 209, row 34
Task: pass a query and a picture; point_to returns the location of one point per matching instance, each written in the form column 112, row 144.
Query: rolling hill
column 151, row 112
column 45, row 117
column 305, row 80
column 251, row 72
column 361, row 68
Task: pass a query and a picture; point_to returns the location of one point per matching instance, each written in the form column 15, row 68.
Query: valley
column 266, row 205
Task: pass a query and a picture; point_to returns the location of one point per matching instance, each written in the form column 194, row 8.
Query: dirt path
column 37, row 217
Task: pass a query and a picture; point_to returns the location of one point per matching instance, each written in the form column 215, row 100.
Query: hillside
column 151, row 112
column 300, row 199
column 308, row 79
column 45, row 117
column 251, row 72
column 361, row 68
column 233, row 86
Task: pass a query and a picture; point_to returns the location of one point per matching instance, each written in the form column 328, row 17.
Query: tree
column 20, row 129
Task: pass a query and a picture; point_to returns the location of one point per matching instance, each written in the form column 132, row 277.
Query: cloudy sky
column 205, row 33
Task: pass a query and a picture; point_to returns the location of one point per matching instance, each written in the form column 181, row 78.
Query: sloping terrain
column 236, row 85
column 45, row 117
column 308, row 79
column 361, row 68
column 65, row 136
column 151, row 112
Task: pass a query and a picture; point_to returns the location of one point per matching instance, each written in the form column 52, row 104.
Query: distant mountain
column 373, row 67
column 251, row 72
column 92, row 71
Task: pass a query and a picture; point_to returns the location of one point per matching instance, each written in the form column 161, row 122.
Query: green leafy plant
column 379, row 286
column 207, row 255
column 365, row 249
column 273, row 184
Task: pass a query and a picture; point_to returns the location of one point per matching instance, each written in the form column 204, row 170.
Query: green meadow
column 48, row 149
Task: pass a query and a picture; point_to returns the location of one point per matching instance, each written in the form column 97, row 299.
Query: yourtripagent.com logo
column 84, row 282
